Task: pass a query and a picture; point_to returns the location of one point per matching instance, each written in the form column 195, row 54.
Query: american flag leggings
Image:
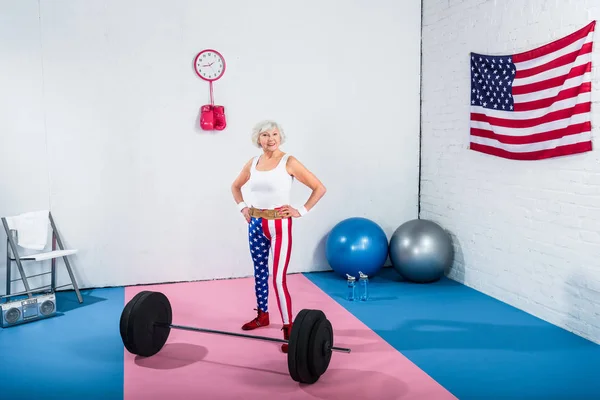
column 271, row 244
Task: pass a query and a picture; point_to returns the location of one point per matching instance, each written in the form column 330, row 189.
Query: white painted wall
column 527, row 233
column 99, row 114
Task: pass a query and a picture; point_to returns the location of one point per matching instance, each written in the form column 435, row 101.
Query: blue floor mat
column 76, row 354
column 475, row 346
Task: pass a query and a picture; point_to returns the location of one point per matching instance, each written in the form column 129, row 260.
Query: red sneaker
column 287, row 329
column 261, row 320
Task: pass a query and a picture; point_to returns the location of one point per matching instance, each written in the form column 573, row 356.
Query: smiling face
column 270, row 140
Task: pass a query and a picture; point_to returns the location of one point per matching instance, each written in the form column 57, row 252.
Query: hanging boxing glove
column 220, row 120
column 207, row 118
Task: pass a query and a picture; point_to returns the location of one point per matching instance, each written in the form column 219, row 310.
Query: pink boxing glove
column 220, row 120
column 207, row 118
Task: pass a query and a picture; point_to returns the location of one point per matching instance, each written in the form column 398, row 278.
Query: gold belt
column 265, row 214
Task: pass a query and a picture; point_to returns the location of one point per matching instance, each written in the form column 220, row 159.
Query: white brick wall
column 526, row 232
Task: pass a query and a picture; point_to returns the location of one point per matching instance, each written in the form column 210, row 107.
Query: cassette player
column 21, row 311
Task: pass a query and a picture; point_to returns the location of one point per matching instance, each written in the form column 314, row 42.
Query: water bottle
column 364, row 285
column 351, row 287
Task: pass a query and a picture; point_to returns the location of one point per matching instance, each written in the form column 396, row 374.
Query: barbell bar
column 146, row 322
column 268, row 339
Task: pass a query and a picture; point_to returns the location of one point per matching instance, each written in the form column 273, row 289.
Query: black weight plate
column 319, row 345
column 124, row 322
column 292, row 368
column 139, row 323
column 299, row 347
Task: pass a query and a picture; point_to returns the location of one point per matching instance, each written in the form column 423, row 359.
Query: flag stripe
column 528, row 123
column 565, row 94
column 552, row 82
column 561, row 61
column 551, row 126
column 535, row 137
column 574, row 47
column 562, row 70
column 534, row 155
column 547, row 93
column 555, row 45
column 529, row 147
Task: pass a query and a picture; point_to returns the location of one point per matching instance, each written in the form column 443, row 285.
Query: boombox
column 25, row 310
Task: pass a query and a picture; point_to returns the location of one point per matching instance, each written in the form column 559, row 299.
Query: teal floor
column 473, row 345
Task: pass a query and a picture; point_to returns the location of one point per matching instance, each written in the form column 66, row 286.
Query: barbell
column 146, row 322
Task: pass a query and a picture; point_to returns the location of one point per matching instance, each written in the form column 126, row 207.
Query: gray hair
column 263, row 126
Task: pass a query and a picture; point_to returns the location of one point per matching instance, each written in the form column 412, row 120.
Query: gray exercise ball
column 420, row 251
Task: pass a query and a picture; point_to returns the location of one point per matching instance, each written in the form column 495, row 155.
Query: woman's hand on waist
column 246, row 213
column 289, row 211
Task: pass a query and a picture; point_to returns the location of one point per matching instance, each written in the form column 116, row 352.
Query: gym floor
column 436, row 341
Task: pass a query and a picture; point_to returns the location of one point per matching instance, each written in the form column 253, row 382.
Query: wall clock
column 209, row 65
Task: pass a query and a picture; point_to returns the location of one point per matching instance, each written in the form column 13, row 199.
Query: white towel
column 32, row 229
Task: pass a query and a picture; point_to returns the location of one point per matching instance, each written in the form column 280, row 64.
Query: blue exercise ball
column 356, row 244
column 421, row 251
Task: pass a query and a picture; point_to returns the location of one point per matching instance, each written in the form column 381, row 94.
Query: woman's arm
column 236, row 188
column 300, row 172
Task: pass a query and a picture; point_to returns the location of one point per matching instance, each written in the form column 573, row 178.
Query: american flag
column 536, row 104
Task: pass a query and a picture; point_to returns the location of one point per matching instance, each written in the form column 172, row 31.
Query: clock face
column 209, row 65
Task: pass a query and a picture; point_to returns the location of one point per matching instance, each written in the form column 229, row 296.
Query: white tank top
column 270, row 189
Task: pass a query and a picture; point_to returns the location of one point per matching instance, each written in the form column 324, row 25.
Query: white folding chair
column 11, row 227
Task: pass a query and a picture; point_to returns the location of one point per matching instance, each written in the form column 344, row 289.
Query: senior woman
column 269, row 177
